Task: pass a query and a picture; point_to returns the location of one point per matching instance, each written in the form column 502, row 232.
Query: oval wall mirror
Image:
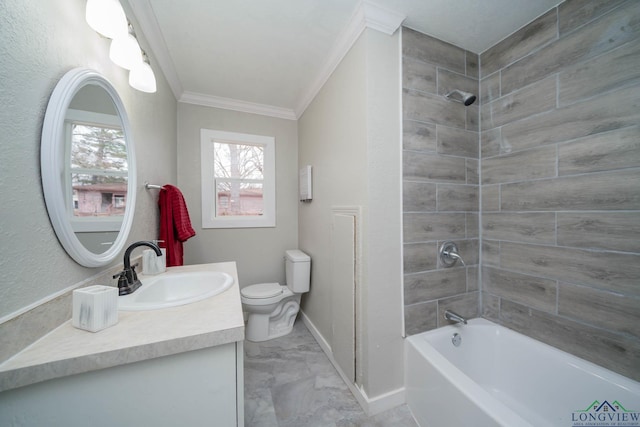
column 87, row 160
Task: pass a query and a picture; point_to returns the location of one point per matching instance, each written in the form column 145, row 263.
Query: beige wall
column 42, row 41
column 350, row 134
column 258, row 252
column 382, row 316
column 332, row 138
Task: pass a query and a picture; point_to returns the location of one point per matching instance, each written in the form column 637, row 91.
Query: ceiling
column 272, row 56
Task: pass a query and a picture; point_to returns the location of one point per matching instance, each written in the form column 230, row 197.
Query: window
column 96, row 171
column 238, row 180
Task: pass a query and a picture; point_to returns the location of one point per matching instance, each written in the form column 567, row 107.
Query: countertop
column 138, row 336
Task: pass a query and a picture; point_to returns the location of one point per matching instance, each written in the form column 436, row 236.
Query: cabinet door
column 196, row 388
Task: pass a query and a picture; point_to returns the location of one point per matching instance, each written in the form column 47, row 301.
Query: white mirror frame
column 52, row 154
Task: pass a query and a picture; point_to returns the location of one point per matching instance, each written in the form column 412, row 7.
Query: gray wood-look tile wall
column 440, row 180
column 560, row 172
column 554, row 142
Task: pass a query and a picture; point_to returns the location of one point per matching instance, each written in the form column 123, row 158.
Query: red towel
column 175, row 225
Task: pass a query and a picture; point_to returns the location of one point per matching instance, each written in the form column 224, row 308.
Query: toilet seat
column 262, row 290
column 264, row 294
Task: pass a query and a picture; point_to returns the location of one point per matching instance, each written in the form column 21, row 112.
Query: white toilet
column 272, row 308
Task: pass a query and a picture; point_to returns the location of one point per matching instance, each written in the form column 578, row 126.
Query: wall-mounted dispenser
column 305, row 184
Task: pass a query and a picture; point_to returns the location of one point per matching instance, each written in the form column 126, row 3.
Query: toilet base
column 263, row 327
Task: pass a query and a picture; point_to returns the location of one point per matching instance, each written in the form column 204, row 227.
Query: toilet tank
column 298, row 270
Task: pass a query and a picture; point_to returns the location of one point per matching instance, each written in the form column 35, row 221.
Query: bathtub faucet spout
column 454, row 317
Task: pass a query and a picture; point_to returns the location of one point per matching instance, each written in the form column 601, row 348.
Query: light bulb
column 125, row 51
column 141, row 77
column 106, row 17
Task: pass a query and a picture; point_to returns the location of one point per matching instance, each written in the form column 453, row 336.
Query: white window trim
column 209, row 218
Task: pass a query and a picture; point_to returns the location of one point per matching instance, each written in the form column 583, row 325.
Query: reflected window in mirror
column 96, row 172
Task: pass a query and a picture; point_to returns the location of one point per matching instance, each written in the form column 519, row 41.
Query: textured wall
column 332, row 136
column 258, row 252
column 440, row 180
column 561, row 181
column 41, row 42
column 350, row 134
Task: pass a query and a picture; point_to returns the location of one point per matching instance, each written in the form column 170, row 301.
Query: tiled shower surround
column 440, row 180
column 559, row 138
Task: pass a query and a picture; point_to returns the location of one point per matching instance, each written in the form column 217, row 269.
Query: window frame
column 208, row 179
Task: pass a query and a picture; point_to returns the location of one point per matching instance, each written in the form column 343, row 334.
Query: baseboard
column 385, row 401
column 371, row 406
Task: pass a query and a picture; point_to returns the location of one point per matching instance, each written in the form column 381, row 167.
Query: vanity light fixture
column 125, row 50
column 141, row 76
column 107, row 17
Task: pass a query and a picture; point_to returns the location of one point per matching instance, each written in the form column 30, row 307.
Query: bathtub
column 498, row 377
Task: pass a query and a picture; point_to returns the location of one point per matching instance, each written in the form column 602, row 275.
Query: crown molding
column 366, row 15
column 380, row 18
column 236, row 105
column 146, row 18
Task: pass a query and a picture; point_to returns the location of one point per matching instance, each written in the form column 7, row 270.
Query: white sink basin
column 175, row 288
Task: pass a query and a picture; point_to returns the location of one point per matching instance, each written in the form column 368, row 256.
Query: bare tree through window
column 239, row 177
column 98, row 170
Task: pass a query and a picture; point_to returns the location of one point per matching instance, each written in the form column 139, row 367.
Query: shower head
column 460, row 96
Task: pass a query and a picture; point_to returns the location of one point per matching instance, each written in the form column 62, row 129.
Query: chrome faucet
column 454, row 317
column 128, row 280
column 449, row 254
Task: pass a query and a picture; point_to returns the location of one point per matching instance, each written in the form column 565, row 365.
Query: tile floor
column 289, row 382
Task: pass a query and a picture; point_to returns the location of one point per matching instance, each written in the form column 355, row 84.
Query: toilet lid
column 262, row 290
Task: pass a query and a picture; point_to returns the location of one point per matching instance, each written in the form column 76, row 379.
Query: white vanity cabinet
column 196, row 388
column 178, row 366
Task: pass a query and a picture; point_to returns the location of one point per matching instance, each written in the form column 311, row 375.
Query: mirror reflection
column 87, row 159
column 96, row 169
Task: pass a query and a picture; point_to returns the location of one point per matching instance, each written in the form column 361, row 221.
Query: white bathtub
column 498, row 377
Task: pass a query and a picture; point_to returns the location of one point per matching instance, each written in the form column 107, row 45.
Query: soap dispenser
column 152, row 263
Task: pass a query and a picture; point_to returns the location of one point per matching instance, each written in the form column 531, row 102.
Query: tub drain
column 456, row 339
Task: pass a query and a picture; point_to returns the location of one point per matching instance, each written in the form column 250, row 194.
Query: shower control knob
column 449, row 255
